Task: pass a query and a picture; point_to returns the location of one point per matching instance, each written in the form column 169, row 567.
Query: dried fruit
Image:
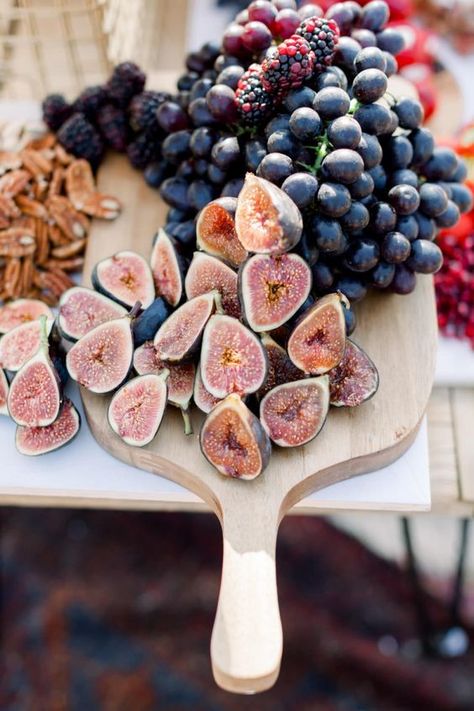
column 21, row 343
column 149, row 321
column 316, row 344
column 4, row 387
column 232, row 358
column 126, row 278
column 266, row 220
column 82, row 309
column 202, row 397
column 101, row 360
column 280, row 368
column 293, row 414
column 206, row 273
column 233, row 440
column 35, row 394
column 272, row 289
column 215, row 231
column 180, row 335
column 21, row 311
column 34, row 441
column 168, row 268
column 136, row 410
column 355, row 379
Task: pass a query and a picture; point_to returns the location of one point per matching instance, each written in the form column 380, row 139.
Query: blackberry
column 322, row 36
column 113, row 126
column 288, row 66
column 254, row 103
column 90, row 101
column 142, row 109
column 79, row 137
column 144, row 149
column 126, row 81
column 56, row 111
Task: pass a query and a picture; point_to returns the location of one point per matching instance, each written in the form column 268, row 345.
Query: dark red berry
column 285, row 24
column 80, row 138
column 322, row 36
column 56, row 111
column 113, row 125
column 126, row 81
column 288, row 66
column 254, row 103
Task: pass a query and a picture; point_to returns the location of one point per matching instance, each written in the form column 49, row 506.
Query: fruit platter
column 267, row 276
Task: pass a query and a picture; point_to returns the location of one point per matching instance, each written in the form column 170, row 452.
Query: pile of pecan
column 47, row 198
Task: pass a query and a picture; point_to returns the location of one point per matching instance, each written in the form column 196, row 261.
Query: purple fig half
column 168, row 268
column 233, row 440
column 272, row 289
column 355, row 379
column 267, row 221
column 180, row 335
column 293, row 414
column 280, row 368
column 206, row 273
column 4, row 388
column 317, row 343
column 21, row 343
column 14, row 313
column 215, row 231
column 33, row 441
column 126, row 278
column 136, row 410
column 202, row 397
column 82, row 309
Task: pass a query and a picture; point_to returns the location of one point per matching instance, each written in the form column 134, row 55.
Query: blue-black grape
column 355, row 219
column 323, row 277
column 305, row 124
column 343, row 165
column 282, row 141
column 302, row 188
column 370, row 57
column 330, row 103
column 408, row 226
column 433, row 199
column 362, row 254
column 369, row 85
column 297, row 98
column 344, row 132
column 395, row 248
column 362, row 187
column 327, row 233
column 276, row 167
column 404, row 198
column 383, row 218
column 333, row 199
column 425, row 258
column 449, row 217
column 370, row 150
column 381, row 275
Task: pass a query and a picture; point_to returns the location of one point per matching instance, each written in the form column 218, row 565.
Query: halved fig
column 316, row 344
column 4, row 387
column 148, row 322
column 35, row 393
column 180, row 335
column 136, row 410
column 101, row 360
column 206, row 273
column 34, row 441
column 272, row 289
column 180, row 382
column 215, row 231
column 14, row 313
column 293, row 414
column 233, row 440
column 280, row 368
column 126, row 278
column 202, row 397
column 266, row 220
column 82, row 309
column 232, row 358
column 21, row 343
column 168, row 268
column 355, row 379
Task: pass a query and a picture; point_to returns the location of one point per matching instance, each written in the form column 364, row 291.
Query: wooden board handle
column 247, row 640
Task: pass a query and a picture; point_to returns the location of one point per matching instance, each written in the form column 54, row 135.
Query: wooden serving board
column 399, row 333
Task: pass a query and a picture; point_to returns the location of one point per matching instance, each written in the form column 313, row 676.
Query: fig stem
column 218, row 302
column 188, row 427
column 44, row 339
column 164, row 374
column 136, row 308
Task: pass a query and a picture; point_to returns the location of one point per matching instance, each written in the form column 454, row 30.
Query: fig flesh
column 148, row 322
column 293, row 414
column 136, row 410
column 215, row 231
column 280, row 368
column 21, row 343
column 101, row 360
column 82, row 309
column 267, row 221
column 206, row 273
column 33, row 441
column 4, row 387
column 126, row 278
column 35, row 394
column 168, row 269
column 316, row 344
column 202, row 397
column 233, row 440
column 232, row 358
column 354, row 380
column 180, row 381
column 180, row 335
column 14, row 313
column 272, row 289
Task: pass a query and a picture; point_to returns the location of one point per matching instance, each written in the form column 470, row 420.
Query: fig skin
column 35, row 441
column 126, row 292
column 275, row 229
column 293, row 414
column 206, row 273
column 317, row 342
column 355, row 380
column 202, row 398
column 82, row 309
column 21, row 343
column 265, row 282
column 166, row 246
column 233, row 359
column 280, row 368
column 4, row 388
column 244, row 453
column 14, row 313
column 148, row 322
column 173, row 348
column 154, row 388
column 215, row 231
